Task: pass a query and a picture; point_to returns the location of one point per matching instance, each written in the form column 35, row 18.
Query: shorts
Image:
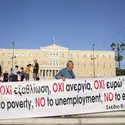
column 27, row 76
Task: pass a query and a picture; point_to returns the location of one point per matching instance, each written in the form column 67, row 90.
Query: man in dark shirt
column 35, row 69
column 5, row 77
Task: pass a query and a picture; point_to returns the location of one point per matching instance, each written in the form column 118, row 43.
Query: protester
column 28, row 71
column 37, row 79
column 5, row 76
column 0, row 71
column 10, row 74
column 18, row 76
column 22, row 74
column 66, row 72
column 35, row 69
column 14, row 74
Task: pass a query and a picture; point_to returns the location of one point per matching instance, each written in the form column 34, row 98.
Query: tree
column 120, row 71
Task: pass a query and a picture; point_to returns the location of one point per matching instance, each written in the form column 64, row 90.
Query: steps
column 111, row 118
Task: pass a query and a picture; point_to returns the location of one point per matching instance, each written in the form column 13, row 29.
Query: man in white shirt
column 14, row 74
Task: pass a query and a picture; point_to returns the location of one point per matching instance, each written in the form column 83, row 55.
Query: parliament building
column 54, row 57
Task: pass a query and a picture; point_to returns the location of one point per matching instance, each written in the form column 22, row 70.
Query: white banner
column 55, row 97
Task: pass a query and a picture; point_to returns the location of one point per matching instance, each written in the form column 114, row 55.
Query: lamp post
column 118, row 58
column 93, row 58
column 13, row 54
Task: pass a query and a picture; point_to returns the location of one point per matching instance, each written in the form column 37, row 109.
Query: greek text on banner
column 55, row 97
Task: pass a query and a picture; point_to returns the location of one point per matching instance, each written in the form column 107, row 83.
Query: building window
column 104, row 74
column 79, row 74
column 100, row 65
column 110, row 65
column 8, row 62
column 57, row 63
column 90, row 56
column 84, row 55
column 56, row 54
column 43, row 73
column 10, row 54
column 16, row 54
column 78, row 56
column 29, row 54
column 85, row 74
column 110, row 56
column 78, row 64
column 97, row 56
column 53, row 63
column 3, row 54
column 84, row 65
column 53, row 73
column 97, row 64
column 91, row 64
column 53, row 54
column 50, row 54
column 50, row 62
column 22, row 54
column 15, row 62
column 62, row 54
column 2, row 63
column 43, row 63
column 103, row 56
column 104, row 65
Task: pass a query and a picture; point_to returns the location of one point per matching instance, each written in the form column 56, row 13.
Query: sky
column 76, row 24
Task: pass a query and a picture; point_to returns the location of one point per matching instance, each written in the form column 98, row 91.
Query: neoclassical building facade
column 54, row 57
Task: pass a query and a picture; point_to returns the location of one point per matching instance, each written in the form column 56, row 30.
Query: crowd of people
column 24, row 74
column 20, row 73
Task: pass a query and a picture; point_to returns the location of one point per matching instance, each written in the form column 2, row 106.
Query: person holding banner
column 66, row 73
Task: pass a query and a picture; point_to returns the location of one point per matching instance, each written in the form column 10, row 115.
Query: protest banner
column 55, row 97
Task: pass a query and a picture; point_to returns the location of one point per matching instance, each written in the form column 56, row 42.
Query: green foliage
column 120, row 71
column 118, row 58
